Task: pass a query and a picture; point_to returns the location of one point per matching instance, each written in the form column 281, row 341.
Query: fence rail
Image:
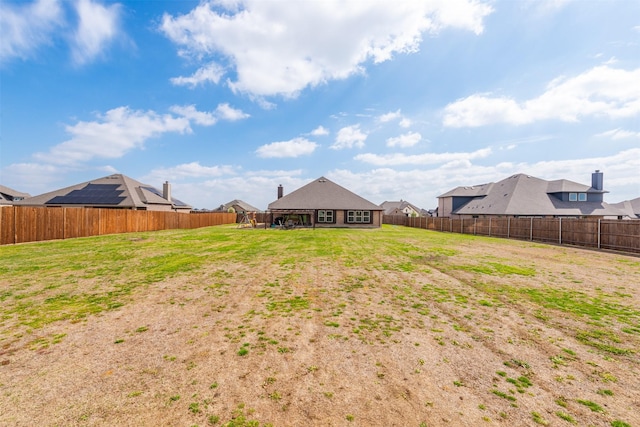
column 618, row 235
column 20, row 224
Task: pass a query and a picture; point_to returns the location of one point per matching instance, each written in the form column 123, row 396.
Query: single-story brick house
column 323, row 203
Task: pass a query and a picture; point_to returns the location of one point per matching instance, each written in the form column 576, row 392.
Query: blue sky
column 393, row 100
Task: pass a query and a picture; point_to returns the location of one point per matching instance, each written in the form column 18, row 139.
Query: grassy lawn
column 392, row 326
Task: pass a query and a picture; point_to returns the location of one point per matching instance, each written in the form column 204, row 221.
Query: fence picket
column 619, row 235
column 20, row 224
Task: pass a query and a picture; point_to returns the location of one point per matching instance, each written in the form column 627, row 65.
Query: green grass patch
column 496, row 268
column 591, row 405
column 288, row 305
column 603, row 340
column 580, row 304
column 567, row 417
column 504, row 395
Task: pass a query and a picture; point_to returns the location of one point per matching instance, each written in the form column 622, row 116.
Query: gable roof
column 390, row 207
column 241, row 204
column 472, row 191
column 115, row 190
column 630, row 207
column 527, row 195
column 8, row 195
column 323, row 194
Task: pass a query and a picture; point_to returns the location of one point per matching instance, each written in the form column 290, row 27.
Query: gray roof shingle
column 8, row 195
column 526, row 195
column 246, row 207
column 390, row 207
column 126, row 193
column 323, row 194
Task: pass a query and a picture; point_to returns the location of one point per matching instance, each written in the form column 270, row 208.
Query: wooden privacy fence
column 619, row 235
column 19, row 224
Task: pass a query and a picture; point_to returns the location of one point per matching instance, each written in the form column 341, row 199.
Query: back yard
column 387, row 327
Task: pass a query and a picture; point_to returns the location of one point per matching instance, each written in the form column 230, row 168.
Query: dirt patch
column 486, row 332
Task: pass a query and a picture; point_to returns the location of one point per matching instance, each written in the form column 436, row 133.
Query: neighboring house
column 323, row 203
column 9, row 196
column 630, row 207
column 238, row 206
column 114, row 191
column 401, row 208
column 429, row 212
column 527, row 196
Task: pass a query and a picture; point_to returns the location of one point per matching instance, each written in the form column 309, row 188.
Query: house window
column 325, row 216
column 582, row 197
column 359, row 216
column 573, row 197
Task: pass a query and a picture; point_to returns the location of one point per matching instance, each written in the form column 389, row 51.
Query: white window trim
column 358, row 217
column 327, row 216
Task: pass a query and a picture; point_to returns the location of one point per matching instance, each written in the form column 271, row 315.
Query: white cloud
column 33, row 178
column 405, row 140
column 189, row 111
column 121, row 130
column 320, row 131
column 24, row 29
column 98, row 25
column 387, row 117
column 115, row 133
column 211, row 72
column 615, row 134
column 226, row 112
column 543, row 8
column 405, row 123
column 190, row 170
column 348, row 137
column 281, row 50
column 398, row 159
column 294, row 148
column 600, row 91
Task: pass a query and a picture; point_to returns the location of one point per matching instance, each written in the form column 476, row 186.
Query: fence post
column 462, row 225
column 560, row 232
column 15, row 225
column 489, row 226
column 475, row 222
column 508, row 227
column 599, row 232
column 531, row 230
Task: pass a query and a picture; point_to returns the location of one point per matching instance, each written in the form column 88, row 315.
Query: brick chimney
column 280, row 191
column 597, row 180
